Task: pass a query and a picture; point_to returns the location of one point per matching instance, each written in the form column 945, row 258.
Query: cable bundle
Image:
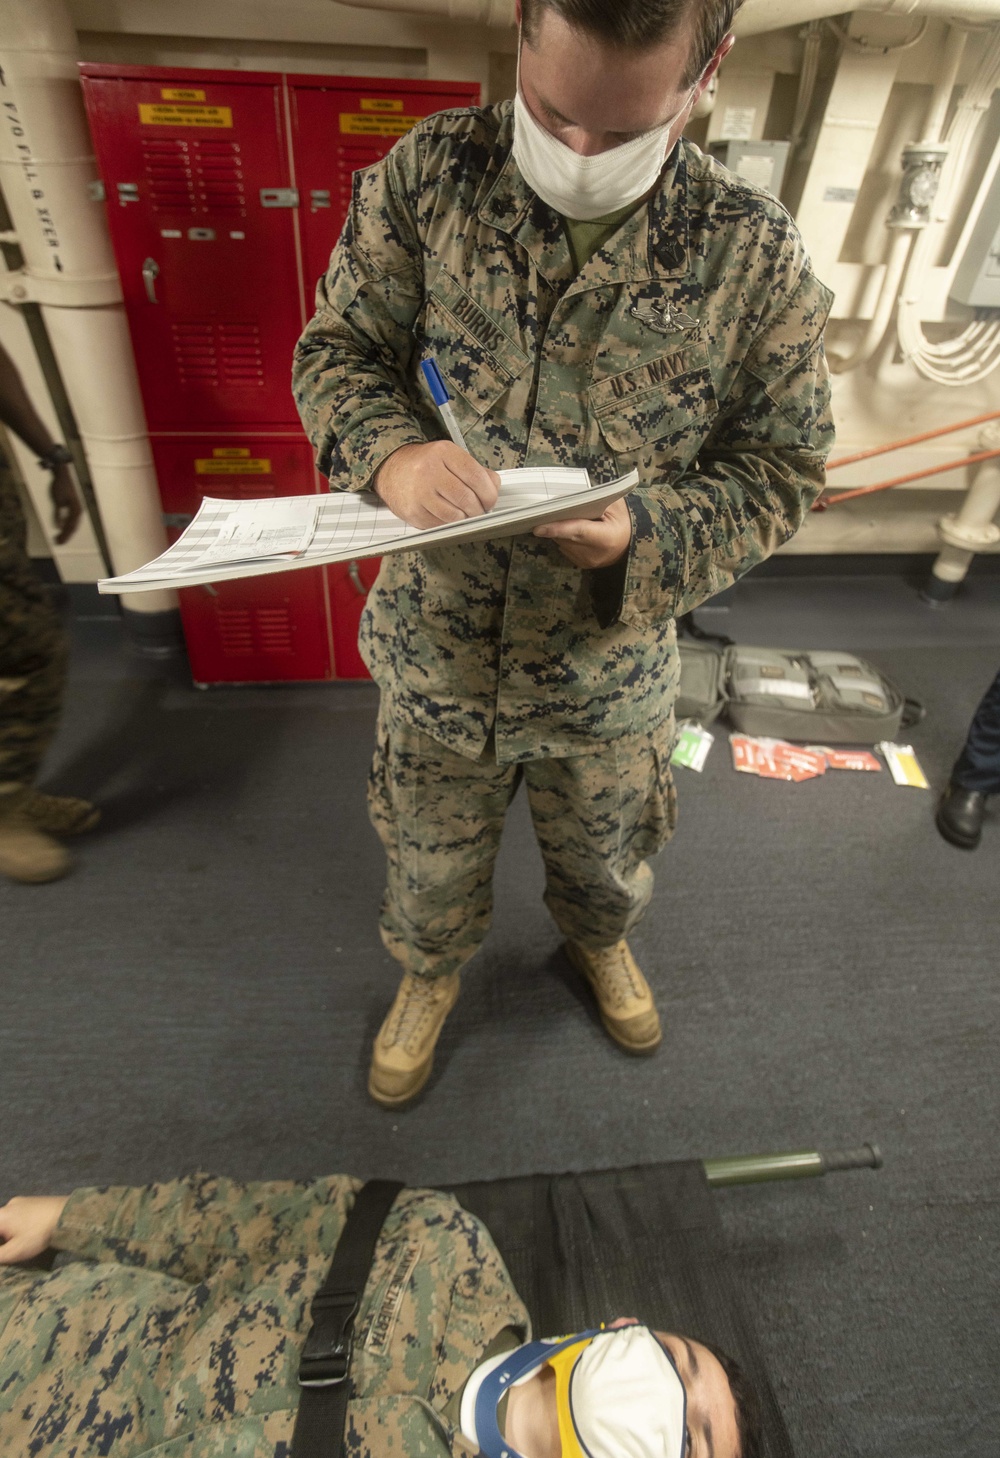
column 970, row 356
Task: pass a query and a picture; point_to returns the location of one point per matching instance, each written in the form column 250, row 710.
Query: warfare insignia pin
column 661, row 316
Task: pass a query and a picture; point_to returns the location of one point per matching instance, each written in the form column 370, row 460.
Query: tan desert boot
column 623, row 996
column 26, row 853
column 58, row 814
column 404, row 1048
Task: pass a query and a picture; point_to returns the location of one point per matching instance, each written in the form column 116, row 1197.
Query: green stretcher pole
column 755, row 1169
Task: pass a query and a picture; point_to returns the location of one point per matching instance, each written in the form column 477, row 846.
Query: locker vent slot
column 235, row 631
column 219, row 171
column 275, row 629
column 219, row 354
column 245, row 631
column 168, row 176
column 194, row 352
column 194, row 176
column 240, row 359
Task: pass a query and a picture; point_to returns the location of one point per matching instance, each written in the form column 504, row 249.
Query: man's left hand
column 592, row 544
column 67, row 507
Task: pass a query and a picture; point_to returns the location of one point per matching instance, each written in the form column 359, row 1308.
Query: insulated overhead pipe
column 48, row 177
column 756, row 16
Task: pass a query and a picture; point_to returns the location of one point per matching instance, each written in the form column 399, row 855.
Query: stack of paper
column 229, row 539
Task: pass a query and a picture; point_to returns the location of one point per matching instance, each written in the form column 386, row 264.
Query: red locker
column 226, row 191
column 340, row 125
column 265, row 629
column 199, row 206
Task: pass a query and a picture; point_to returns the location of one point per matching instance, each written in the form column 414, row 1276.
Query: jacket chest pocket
column 668, row 402
column 474, row 354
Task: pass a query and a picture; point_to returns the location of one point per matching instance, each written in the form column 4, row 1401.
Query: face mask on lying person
column 618, row 1394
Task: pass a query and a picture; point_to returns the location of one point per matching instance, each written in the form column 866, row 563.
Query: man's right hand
column 27, row 1224
column 434, row 484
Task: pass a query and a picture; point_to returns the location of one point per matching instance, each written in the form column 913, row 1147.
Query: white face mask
column 583, row 188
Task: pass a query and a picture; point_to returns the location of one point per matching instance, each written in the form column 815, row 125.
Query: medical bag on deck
column 818, row 696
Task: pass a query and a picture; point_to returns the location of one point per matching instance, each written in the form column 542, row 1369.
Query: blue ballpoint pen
column 441, row 398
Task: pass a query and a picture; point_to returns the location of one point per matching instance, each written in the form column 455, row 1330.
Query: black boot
column 960, row 816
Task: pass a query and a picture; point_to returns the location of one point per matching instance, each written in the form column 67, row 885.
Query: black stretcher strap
column 325, row 1364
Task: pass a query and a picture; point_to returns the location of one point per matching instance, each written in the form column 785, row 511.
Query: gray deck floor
column 203, row 990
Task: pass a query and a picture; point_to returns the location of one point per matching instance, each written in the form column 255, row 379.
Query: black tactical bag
column 816, row 696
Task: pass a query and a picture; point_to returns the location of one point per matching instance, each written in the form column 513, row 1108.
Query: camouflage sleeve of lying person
column 756, row 472
column 185, row 1227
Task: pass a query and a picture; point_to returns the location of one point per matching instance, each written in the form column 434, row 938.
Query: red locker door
column 201, row 213
column 341, row 124
column 338, row 126
column 265, row 629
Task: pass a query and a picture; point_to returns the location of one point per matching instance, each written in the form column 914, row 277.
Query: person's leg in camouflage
column 32, row 673
column 439, row 817
column 598, row 817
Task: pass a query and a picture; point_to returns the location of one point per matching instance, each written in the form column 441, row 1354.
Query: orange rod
column 822, row 505
column 895, row 445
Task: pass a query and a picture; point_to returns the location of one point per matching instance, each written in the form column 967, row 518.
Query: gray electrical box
column 762, row 163
column 977, row 279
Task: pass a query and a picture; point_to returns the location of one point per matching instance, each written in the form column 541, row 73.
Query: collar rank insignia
column 661, row 316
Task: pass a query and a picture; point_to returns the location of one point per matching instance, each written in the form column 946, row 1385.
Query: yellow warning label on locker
column 231, row 451
column 180, row 93
column 380, row 103
column 159, row 114
column 247, row 466
column 356, row 124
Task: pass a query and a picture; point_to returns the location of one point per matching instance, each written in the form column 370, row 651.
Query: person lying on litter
column 181, row 1328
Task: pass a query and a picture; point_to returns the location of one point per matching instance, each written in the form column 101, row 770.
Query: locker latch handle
column 279, row 197
column 355, row 576
column 150, row 273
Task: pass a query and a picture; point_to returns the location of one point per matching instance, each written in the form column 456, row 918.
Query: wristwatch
column 56, row 456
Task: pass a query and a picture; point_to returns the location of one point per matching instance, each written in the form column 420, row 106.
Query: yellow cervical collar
column 562, row 1364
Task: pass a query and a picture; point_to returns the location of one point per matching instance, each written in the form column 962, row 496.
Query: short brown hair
column 632, row 24
column 749, row 1418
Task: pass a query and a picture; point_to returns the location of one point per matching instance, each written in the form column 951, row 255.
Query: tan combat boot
column 623, row 996
column 404, row 1048
column 27, row 853
column 59, row 814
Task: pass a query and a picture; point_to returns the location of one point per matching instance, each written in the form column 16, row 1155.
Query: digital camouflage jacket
column 184, row 1337
column 690, row 346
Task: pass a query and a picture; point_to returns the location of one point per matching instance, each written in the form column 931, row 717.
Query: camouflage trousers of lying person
column 32, row 652
column 598, row 816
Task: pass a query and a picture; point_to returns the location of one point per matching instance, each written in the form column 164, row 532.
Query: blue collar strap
column 518, row 1363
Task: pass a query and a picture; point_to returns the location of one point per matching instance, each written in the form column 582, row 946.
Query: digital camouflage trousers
column 32, row 651
column 597, row 816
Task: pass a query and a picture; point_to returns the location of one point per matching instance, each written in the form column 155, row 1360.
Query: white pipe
column 46, row 163
column 479, row 12
column 931, row 360
column 973, row 528
column 954, row 48
column 902, row 243
column 756, row 16
column 899, row 252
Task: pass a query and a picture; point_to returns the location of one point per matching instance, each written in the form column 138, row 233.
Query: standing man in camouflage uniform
column 180, row 1330
column 32, row 658
column 596, row 293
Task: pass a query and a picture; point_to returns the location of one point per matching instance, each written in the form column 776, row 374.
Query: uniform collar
column 652, row 244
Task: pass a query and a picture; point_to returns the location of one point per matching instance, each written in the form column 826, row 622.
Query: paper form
column 235, row 539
